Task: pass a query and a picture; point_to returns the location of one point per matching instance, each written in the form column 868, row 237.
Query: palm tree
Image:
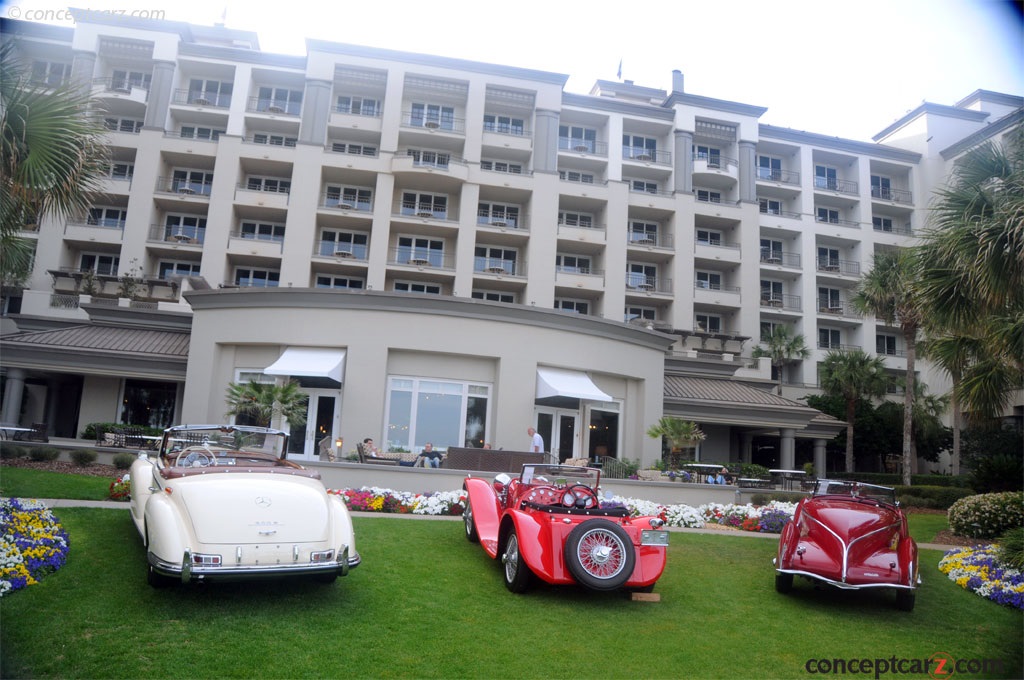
column 52, row 156
column 953, row 354
column 267, row 402
column 782, row 348
column 851, row 376
column 889, row 292
column 972, row 273
column 678, row 433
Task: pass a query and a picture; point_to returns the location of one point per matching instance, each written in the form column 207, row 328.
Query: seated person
column 429, row 457
column 722, row 477
column 369, row 449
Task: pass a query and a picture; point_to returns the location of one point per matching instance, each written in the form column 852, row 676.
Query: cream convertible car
column 221, row 502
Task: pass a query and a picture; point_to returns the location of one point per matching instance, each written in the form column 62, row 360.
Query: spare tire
column 600, row 555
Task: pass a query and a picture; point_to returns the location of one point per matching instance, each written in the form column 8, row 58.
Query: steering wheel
column 584, row 493
column 196, row 456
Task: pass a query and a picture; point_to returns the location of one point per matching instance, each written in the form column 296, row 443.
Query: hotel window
column 643, row 186
column 442, row 412
column 882, row 223
column 643, row 233
column 272, row 184
column 637, row 313
column 829, row 338
column 415, row 250
column 828, row 259
column 708, row 323
column 709, row 237
column 354, row 149
column 415, row 287
column 575, row 306
column 881, row 187
column 425, row 205
column 99, row 264
column 346, row 282
column 572, row 264
column 120, row 170
column 352, row 198
column 577, row 138
column 125, row 80
column 771, row 251
column 252, row 277
column 495, row 260
column 193, row 132
column 50, row 73
column 771, row 292
column 432, row 116
column 504, row 124
column 828, row 215
column 825, row 177
column 262, row 231
column 708, row 196
column 192, row 182
column 272, row 139
column 710, row 154
column 209, row 92
column 432, row 159
column 497, row 214
column 575, row 176
column 107, row 217
column 885, row 344
column 641, row 276
column 574, row 219
column 148, row 402
column 494, row 296
column 360, row 106
column 770, row 206
column 344, row 244
column 769, row 167
column 639, row 148
column 709, row 280
column 185, row 228
column 279, row 100
column 768, row 329
column 829, row 300
column 502, row 166
column 130, row 125
column 168, row 268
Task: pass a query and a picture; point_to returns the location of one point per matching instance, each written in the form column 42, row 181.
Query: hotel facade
column 448, row 251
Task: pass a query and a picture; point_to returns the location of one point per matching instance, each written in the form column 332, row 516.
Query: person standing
column 536, row 441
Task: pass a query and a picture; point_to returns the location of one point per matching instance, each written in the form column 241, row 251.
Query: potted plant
column 267, row 403
column 679, row 434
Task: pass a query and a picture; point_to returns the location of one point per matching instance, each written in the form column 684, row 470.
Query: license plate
column 652, row 537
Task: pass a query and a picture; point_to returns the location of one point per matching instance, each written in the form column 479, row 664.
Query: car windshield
column 560, row 475
column 225, row 440
column 832, row 487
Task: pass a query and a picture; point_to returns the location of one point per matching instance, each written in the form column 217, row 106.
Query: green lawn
column 18, row 482
column 426, row 603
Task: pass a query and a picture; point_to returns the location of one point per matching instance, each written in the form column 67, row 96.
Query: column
column 13, row 391
column 545, row 141
column 684, row 161
column 316, row 110
column 746, row 448
column 160, row 91
column 820, row 462
column 787, row 448
column 747, row 159
column 83, row 66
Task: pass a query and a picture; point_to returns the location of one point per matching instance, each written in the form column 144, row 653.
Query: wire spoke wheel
column 600, row 555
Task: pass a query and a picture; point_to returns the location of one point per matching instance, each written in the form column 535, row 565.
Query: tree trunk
column 908, row 408
column 780, row 378
column 955, row 404
column 851, row 411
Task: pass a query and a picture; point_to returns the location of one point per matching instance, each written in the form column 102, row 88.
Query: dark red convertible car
column 548, row 523
column 852, row 536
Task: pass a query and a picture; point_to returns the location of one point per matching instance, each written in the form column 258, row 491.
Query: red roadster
column 549, row 523
column 851, row 536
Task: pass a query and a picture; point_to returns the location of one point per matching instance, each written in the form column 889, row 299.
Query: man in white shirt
column 537, row 442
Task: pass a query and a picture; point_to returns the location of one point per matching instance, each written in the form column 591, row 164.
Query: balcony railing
column 781, row 176
column 780, row 258
column 708, row 285
column 836, row 220
column 905, row 229
column 716, row 244
column 281, row 107
column 184, row 187
column 715, row 161
column 641, row 283
column 177, row 234
column 429, row 121
column 780, row 301
column 341, row 250
column 632, row 153
column 342, row 202
column 197, row 98
column 834, row 307
column 494, row 265
column 657, row 240
column 843, row 267
column 781, row 213
column 367, row 111
column 649, row 192
column 894, row 195
column 424, row 211
column 121, row 85
column 421, row 257
column 489, row 219
column 842, row 186
column 838, row 347
column 507, row 129
column 587, row 146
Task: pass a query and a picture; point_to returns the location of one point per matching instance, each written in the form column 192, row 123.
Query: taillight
column 322, row 556
column 204, row 560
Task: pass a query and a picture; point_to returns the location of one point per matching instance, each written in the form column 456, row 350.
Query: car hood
column 255, row 508
column 851, row 519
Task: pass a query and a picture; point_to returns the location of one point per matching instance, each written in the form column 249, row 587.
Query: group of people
column 428, row 456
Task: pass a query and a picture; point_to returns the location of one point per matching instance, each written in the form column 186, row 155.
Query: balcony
column 641, row 284
column 486, row 218
column 120, row 90
column 341, row 251
column 497, row 267
column 183, row 187
column 632, row 153
column 649, row 240
column 837, row 221
column 421, row 258
column 838, row 267
column 213, row 100
column 339, row 202
column 780, row 301
column 894, row 195
column 714, row 170
column 780, row 258
column 840, row 186
column 433, row 122
column 273, row 107
column 787, row 177
column 837, row 308
column 588, row 147
column 177, row 235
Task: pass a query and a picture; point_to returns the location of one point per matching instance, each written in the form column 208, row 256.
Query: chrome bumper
column 188, row 572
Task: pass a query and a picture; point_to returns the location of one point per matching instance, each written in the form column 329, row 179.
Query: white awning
column 560, row 382
column 315, row 362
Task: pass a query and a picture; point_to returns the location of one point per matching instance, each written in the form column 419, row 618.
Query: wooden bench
column 489, row 460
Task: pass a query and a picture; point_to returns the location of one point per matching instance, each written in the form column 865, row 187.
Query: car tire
column 600, row 554
column 905, row 600
column 783, row 583
column 516, row 573
column 157, row 580
column 467, row 518
column 326, row 578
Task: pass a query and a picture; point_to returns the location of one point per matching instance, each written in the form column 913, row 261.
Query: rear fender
column 536, row 546
column 486, row 512
column 342, row 533
column 168, row 532
column 906, row 554
column 140, row 483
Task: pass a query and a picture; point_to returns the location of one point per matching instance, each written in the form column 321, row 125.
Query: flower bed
column 32, row 543
column 768, row 518
column 978, row 569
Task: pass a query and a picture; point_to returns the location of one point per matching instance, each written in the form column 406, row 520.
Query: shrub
column 44, row 454
column 937, row 497
column 987, row 515
column 754, row 471
column 9, row 451
column 781, row 496
column 998, row 472
column 124, row 460
column 84, row 457
column 1011, row 548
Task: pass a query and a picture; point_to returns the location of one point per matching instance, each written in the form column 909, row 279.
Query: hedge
column 938, row 497
column 889, row 479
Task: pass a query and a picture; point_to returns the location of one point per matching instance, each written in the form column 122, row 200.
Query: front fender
column 536, row 548
column 169, row 534
column 486, row 512
column 141, row 480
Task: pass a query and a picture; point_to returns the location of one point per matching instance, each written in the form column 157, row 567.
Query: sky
column 844, row 69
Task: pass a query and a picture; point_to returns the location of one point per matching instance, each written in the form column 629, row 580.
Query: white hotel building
column 451, row 251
